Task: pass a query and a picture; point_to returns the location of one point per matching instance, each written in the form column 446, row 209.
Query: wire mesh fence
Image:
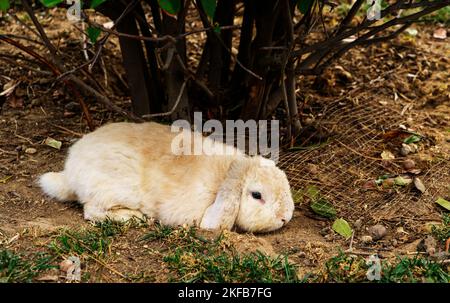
column 339, row 169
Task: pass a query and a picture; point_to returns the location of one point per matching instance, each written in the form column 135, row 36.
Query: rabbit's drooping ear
column 223, row 212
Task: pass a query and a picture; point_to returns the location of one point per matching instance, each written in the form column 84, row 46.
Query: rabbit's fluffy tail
column 55, row 185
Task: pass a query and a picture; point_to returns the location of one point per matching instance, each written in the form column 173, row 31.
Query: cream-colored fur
column 123, row 170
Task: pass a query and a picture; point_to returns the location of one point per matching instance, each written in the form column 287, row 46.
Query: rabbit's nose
column 284, row 221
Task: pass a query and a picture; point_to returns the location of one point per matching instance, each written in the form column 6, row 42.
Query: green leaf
column 312, row 192
column 323, row 208
column 343, row 228
column 210, row 7
column 96, row 3
column 297, row 196
column 171, row 7
column 93, row 33
column 380, row 179
column 412, row 139
column 444, row 203
column 4, row 5
column 51, row 3
column 400, row 181
column 304, row 5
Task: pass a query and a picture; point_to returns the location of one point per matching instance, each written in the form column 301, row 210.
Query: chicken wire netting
column 338, row 169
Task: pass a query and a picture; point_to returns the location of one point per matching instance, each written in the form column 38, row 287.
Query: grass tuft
column 18, row 268
column 350, row 269
column 195, row 259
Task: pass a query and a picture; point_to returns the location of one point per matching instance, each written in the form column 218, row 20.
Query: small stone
column 66, row 265
column 312, row 169
column 366, row 239
column 30, row 150
column 324, row 231
column 72, row 107
column 409, row 164
column 377, row 231
column 405, row 150
column 414, row 147
column 357, row 224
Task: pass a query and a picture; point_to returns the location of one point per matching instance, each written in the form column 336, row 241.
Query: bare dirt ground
column 350, row 116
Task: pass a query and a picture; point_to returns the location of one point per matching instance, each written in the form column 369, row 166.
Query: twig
column 23, row 38
column 180, row 94
column 67, row 130
column 127, row 9
column 39, row 28
column 57, row 61
column 103, row 99
column 24, row 24
column 42, row 72
column 350, row 248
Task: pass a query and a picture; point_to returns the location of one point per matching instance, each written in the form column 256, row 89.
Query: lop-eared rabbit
column 122, row 170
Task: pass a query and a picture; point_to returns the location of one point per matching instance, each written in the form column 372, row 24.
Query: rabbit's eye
column 256, row 195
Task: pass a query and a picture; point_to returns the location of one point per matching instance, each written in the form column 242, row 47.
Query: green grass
column 18, row 268
column 352, row 269
column 96, row 241
column 195, row 259
column 439, row 16
column 442, row 232
column 416, row 269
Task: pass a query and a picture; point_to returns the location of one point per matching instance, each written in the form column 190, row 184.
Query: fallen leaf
column 419, row 185
column 9, row 88
column 343, row 228
column 412, row 139
column 444, row 203
column 14, row 101
column 388, row 183
column 297, row 196
column 371, row 184
column 411, row 31
column 381, row 179
column 402, row 181
column 440, row 33
column 72, row 267
column 414, row 171
column 53, row 143
column 312, row 192
column 323, row 208
column 387, row 155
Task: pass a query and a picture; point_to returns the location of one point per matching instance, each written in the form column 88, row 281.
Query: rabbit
column 124, row 170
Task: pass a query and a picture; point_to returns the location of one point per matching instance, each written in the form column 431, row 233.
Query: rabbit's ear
column 223, row 212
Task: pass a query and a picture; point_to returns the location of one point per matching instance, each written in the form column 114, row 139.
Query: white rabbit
column 123, row 170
